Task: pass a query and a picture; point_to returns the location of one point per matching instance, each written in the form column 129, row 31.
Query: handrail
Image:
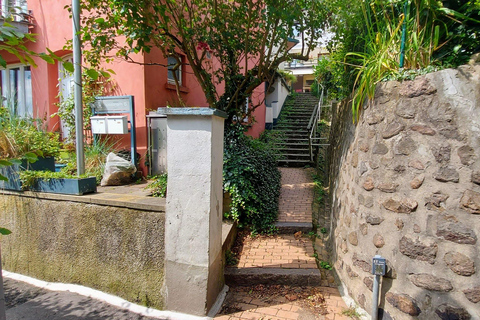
column 313, row 124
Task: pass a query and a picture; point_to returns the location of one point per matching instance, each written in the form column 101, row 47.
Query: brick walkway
column 280, row 252
column 296, row 196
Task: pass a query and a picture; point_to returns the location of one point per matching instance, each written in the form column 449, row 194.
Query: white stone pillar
column 193, row 231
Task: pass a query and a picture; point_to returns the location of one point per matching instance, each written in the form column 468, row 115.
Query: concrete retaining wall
column 406, row 185
column 115, row 250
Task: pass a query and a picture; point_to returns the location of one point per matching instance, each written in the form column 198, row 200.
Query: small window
column 14, row 8
column 17, row 90
column 172, row 63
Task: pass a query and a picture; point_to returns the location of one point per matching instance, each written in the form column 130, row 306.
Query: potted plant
column 24, row 145
column 57, row 182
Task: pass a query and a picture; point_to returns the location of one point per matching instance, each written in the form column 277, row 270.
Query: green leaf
column 3, row 178
column 3, row 63
column 31, row 157
column 5, row 232
column 47, row 58
column 68, row 66
column 93, row 74
column 111, row 71
column 4, row 162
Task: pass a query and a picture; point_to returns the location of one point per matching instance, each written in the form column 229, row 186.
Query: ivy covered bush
column 251, row 176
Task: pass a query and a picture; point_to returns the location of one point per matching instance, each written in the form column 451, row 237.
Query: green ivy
column 251, row 176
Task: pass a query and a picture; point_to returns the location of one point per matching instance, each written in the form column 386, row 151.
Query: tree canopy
column 236, row 43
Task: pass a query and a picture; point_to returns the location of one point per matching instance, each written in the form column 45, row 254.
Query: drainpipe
column 378, row 269
column 77, row 60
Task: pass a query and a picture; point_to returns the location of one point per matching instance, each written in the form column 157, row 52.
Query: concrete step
column 293, row 227
column 293, row 163
column 274, row 276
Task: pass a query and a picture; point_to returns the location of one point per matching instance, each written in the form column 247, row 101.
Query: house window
column 172, row 62
column 17, row 90
column 16, row 9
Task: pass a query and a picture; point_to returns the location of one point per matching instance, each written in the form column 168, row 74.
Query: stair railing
column 313, row 124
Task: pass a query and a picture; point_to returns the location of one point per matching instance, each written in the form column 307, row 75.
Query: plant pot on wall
column 11, row 172
column 73, row 186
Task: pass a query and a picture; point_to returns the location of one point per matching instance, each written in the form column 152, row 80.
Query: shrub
column 251, row 176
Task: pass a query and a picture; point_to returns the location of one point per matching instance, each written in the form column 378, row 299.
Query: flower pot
column 11, row 172
column 74, row 186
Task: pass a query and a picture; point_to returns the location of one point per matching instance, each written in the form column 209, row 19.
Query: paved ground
column 286, row 252
column 278, row 252
column 296, row 196
column 26, row 302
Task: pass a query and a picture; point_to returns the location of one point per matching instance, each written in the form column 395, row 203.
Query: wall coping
column 192, row 112
column 128, row 201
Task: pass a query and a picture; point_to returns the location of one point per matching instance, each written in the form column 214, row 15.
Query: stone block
column 406, row 108
column 374, row 220
column 392, row 129
column 364, row 229
column 416, row 164
column 473, row 294
column 404, row 303
column 405, row 205
column 353, row 238
column 466, row 155
column 435, row 200
column 459, row 263
column 405, row 146
column 352, row 274
column 442, row 153
column 448, row 312
column 450, row 229
column 368, row 281
column 388, row 187
column 475, row 178
column 417, row 181
column 417, row 249
column 471, row 201
column 380, row 148
column 419, row 87
column 378, row 241
column 369, row 184
column 447, row 174
column 431, row 282
column 362, row 264
column 425, row 130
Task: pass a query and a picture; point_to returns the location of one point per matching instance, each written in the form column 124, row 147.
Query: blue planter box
column 11, row 172
column 75, row 186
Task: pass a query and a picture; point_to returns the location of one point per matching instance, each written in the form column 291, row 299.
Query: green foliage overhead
column 251, row 176
column 368, row 37
column 231, row 46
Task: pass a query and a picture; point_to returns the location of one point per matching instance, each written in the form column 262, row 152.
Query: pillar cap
column 192, row 112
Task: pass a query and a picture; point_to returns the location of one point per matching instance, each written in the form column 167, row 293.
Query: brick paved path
column 280, row 252
column 296, row 196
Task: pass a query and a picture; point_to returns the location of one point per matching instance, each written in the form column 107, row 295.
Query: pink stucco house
column 36, row 90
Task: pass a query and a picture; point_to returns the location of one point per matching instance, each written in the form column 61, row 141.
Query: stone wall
column 406, row 185
column 115, row 250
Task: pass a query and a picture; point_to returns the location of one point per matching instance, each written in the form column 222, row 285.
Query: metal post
column 77, row 60
column 376, row 285
column 379, row 266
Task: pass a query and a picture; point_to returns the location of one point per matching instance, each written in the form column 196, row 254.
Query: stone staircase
column 292, row 128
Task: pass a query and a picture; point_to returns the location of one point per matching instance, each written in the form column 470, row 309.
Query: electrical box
column 99, row 124
column 379, row 266
column 117, row 124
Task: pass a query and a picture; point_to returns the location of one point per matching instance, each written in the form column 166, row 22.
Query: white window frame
column 65, row 88
column 21, row 108
column 171, row 80
column 14, row 9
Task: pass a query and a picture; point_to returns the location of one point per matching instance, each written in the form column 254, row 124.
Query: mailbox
column 117, row 124
column 99, row 125
column 379, row 266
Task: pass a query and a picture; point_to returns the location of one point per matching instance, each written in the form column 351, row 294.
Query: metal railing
column 315, row 140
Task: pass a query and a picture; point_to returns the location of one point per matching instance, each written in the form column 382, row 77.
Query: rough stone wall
column 115, row 250
column 408, row 189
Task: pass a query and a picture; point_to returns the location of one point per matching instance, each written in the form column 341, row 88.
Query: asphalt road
column 27, row 302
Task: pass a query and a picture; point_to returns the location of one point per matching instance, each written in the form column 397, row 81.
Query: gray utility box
column 157, row 142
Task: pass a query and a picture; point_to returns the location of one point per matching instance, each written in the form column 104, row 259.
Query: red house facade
column 36, row 91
